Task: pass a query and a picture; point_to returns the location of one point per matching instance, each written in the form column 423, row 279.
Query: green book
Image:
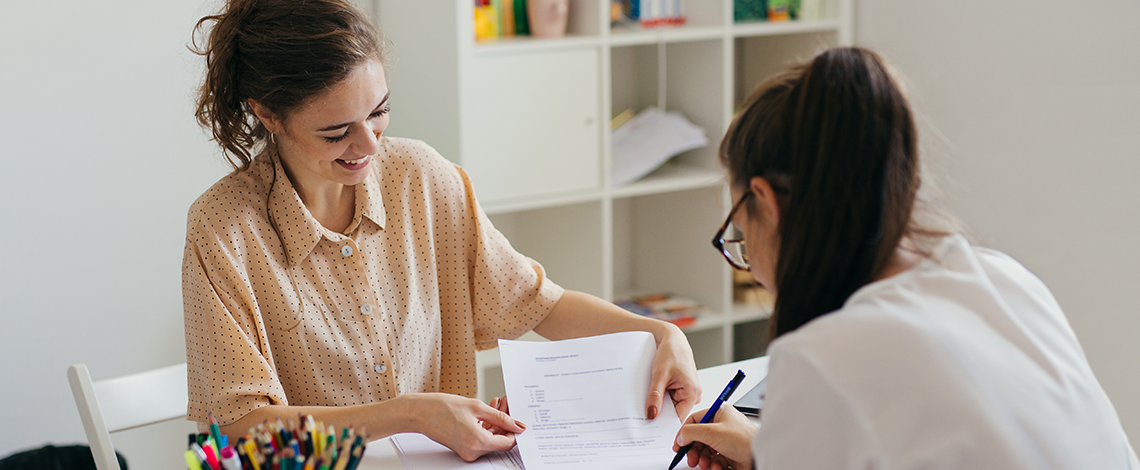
column 749, row 10
column 522, row 23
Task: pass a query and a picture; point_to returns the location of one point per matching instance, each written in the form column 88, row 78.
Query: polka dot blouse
column 280, row 310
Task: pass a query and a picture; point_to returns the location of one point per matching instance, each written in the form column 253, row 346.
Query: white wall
column 101, row 159
column 1039, row 105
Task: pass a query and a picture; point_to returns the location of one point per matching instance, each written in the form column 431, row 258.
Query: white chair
column 124, row 403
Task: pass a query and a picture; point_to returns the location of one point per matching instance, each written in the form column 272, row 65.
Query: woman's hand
column 577, row 315
column 501, row 405
column 722, row 444
column 675, row 373
column 462, row 424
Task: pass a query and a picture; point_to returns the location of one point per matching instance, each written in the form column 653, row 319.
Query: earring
column 273, row 138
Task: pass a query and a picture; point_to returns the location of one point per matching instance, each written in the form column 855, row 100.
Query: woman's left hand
column 722, row 444
column 674, row 375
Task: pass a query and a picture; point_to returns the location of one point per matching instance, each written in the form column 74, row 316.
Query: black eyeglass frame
column 719, row 242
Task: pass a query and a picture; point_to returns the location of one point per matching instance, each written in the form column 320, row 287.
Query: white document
column 583, row 401
column 418, row 452
column 650, row 139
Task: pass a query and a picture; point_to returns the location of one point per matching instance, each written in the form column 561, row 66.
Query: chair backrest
column 126, row 402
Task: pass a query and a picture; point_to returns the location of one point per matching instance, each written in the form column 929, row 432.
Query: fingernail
column 520, row 424
column 679, row 441
column 652, row 412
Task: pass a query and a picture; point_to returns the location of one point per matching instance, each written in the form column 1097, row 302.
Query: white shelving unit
column 528, row 119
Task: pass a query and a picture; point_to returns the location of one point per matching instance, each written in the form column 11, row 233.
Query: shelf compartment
column 749, row 339
column 661, row 243
column 687, row 77
column 699, row 14
column 566, row 240
column 759, row 57
column 582, row 27
column 708, row 346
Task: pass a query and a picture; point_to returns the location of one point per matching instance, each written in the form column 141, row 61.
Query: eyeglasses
column 733, row 248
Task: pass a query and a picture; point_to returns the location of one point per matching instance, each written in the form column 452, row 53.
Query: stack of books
column 664, row 306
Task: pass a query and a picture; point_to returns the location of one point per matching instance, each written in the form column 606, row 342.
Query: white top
column 964, row 361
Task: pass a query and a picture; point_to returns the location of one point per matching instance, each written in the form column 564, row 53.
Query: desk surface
column 381, row 455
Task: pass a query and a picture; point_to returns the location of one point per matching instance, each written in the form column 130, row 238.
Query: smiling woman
column 349, row 275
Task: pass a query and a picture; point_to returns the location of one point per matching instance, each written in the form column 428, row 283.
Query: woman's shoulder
column 962, row 298
column 237, row 195
column 402, row 152
column 404, row 161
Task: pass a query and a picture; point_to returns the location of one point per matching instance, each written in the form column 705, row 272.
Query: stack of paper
column 418, row 452
column 650, row 139
column 583, row 401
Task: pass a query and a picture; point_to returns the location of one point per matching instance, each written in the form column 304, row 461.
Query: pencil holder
column 548, row 17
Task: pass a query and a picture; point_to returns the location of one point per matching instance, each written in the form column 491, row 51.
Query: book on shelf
column 777, row 10
column 746, row 291
column 664, row 306
column 647, row 13
column 500, row 18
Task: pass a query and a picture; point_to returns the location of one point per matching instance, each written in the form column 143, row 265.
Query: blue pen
column 728, row 389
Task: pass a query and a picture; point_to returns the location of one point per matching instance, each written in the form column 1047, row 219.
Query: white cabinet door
column 530, row 124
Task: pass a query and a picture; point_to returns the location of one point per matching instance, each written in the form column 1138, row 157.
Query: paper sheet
column 583, row 401
column 418, row 452
column 650, row 139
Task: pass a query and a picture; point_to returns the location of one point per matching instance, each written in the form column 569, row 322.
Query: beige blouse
column 280, row 310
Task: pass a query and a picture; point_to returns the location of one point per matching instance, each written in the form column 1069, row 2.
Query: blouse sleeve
column 510, row 292
column 229, row 369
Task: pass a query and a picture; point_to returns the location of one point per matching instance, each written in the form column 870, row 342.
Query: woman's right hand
column 458, row 423
column 722, row 444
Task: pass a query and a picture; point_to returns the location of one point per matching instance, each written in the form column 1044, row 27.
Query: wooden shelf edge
column 670, row 178
column 540, row 202
column 762, row 28
column 526, row 44
column 635, row 36
column 742, row 313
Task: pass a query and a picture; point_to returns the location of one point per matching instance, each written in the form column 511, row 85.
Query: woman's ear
column 766, row 204
column 268, row 118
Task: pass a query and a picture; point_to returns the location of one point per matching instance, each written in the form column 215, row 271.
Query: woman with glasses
column 897, row 344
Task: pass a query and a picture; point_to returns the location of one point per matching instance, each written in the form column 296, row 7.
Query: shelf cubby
column 528, row 118
column 749, row 339
column 662, row 243
column 566, row 240
column 758, row 57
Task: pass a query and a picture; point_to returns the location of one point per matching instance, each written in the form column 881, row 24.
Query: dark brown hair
column 837, row 134
column 279, row 53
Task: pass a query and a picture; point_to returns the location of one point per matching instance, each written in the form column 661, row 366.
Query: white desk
column 380, row 454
